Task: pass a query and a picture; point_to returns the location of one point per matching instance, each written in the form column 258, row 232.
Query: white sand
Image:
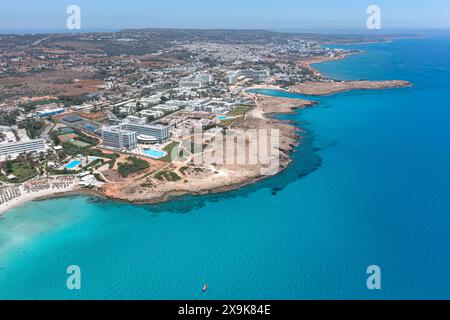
column 25, row 196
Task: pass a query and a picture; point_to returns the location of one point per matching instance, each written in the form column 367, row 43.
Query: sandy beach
column 309, row 62
column 36, row 190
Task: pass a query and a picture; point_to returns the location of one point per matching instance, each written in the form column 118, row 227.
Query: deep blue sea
column 370, row 185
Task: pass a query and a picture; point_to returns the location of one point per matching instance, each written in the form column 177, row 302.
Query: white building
column 138, row 120
column 166, row 108
column 190, row 84
column 151, row 113
column 151, row 100
column 196, row 82
column 255, row 75
column 158, row 131
column 15, row 148
column 118, row 138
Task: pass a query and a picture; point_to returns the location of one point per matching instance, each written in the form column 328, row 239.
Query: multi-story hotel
column 157, row 131
column 126, row 135
column 16, row 148
column 197, row 82
column 255, row 75
column 118, row 138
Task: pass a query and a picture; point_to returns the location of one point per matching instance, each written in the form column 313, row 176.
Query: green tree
column 9, row 166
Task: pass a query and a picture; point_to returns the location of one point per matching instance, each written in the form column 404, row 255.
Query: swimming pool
column 222, row 118
column 90, row 127
column 74, row 164
column 155, row 154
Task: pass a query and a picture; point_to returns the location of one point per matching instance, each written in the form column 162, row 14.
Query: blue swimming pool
column 74, row 164
column 90, row 127
column 222, row 118
column 155, row 154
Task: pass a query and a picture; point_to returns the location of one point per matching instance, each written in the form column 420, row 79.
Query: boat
column 205, row 287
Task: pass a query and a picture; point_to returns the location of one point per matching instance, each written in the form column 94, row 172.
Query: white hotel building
column 117, row 138
column 14, row 149
column 127, row 135
column 255, row 75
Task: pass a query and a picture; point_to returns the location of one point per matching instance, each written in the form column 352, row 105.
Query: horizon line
column 333, row 31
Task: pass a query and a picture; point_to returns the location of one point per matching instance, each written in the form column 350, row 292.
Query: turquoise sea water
column 369, row 185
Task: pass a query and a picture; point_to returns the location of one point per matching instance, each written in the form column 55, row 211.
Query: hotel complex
column 117, row 138
column 157, row 131
column 127, row 135
column 145, row 106
column 16, row 148
column 196, row 82
column 255, row 75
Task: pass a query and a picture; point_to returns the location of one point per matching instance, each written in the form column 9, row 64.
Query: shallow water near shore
column 369, row 186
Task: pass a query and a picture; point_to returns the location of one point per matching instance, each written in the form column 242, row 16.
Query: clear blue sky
column 266, row 14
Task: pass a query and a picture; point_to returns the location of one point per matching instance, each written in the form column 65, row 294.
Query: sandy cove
column 26, row 196
column 308, row 63
column 333, row 86
column 336, row 86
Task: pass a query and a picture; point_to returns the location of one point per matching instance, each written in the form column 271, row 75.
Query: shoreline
column 347, row 86
column 223, row 177
column 309, row 63
column 28, row 196
column 261, row 116
column 261, row 112
column 340, row 86
column 320, row 89
column 39, row 197
column 328, row 88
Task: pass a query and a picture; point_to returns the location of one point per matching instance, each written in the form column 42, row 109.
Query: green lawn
column 169, row 149
column 227, row 123
column 239, row 111
column 167, row 176
column 132, row 166
column 236, row 114
column 23, row 172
